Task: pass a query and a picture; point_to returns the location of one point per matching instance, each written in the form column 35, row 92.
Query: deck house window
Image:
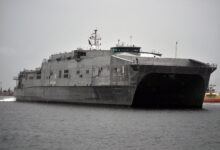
column 38, row 75
column 66, row 74
column 31, row 77
column 60, row 74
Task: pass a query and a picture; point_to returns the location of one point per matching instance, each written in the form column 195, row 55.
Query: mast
column 95, row 36
column 94, row 40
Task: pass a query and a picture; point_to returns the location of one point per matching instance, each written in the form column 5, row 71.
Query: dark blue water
column 25, row 126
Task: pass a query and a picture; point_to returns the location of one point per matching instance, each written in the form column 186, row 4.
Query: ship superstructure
column 122, row 75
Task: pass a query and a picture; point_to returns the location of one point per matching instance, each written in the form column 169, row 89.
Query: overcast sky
column 31, row 30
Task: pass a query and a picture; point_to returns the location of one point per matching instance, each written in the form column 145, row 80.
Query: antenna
column 176, row 49
column 130, row 39
column 118, row 42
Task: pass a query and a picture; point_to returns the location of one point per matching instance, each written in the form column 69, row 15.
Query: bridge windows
column 126, row 49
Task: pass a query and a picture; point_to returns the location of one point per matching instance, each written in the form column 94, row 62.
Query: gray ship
column 122, row 75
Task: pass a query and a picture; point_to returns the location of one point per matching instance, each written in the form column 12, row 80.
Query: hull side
column 118, row 95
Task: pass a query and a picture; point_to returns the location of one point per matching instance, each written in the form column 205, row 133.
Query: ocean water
column 25, row 126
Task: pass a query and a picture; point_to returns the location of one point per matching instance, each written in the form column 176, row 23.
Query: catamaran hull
column 118, row 95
